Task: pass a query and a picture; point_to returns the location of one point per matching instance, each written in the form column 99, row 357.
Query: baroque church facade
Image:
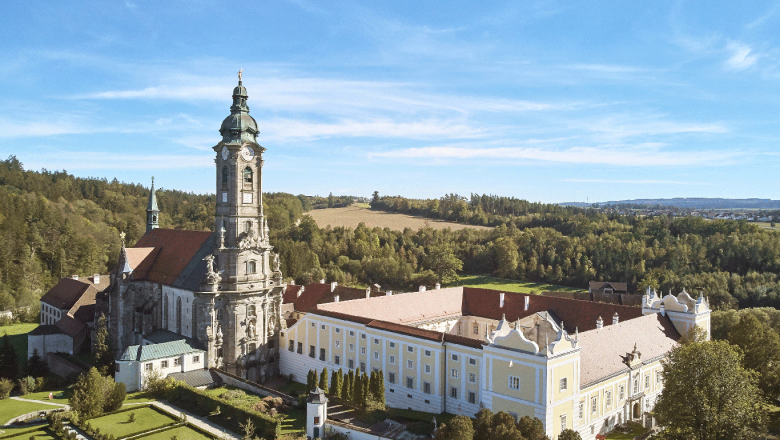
column 219, row 292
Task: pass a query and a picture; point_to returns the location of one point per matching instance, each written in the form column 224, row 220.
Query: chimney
column 96, row 278
column 599, row 323
column 388, row 292
column 663, row 309
column 368, row 292
column 527, row 302
column 300, row 291
column 501, row 299
column 336, row 298
column 333, row 286
column 75, row 277
column 292, row 282
column 438, row 286
column 615, row 319
column 322, row 281
column 421, row 289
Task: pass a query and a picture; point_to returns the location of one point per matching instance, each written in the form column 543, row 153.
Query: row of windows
column 621, row 394
column 149, row 366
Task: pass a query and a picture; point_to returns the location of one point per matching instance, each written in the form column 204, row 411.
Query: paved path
column 200, row 422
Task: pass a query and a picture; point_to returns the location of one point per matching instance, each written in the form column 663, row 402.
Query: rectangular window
column 338, row 344
column 454, row 373
column 563, row 422
column 300, row 348
column 472, row 397
column 351, row 347
column 455, row 357
column 453, row 392
column 362, row 366
column 164, row 364
column 313, row 325
column 316, row 420
column 376, row 341
column 410, row 349
column 322, row 354
column 409, row 382
column 476, row 328
column 515, row 416
column 427, row 368
column 409, row 363
column 472, row 361
column 392, row 345
column 392, row 359
column 657, row 378
column 376, row 355
column 622, row 390
column 337, row 359
column 427, row 387
column 116, row 368
column 311, row 351
column 582, row 410
column 196, row 359
column 362, row 350
column 428, row 353
column 391, row 377
column 563, row 384
column 148, row 366
column 176, row 362
column 608, row 398
column 351, row 333
column 647, row 381
column 322, row 327
column 338, row 330
column 594, row 405
column 362, row 336
column 291, row 346
column 514, row 382
column 351, row 364
column 472, row 378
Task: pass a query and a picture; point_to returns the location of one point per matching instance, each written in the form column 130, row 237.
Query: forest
column 53, row 224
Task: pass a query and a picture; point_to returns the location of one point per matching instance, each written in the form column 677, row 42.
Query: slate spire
column 152, row 212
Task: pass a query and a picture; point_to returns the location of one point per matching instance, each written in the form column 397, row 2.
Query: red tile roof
column 173, row 250
column 617, row 287
column 575, row 314
column 291, row 293
column 66, row 293
column 320, row 293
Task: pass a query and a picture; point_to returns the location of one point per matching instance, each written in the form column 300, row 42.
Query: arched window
column 252, row 311
column 224, row 177
column 248, row 226
column 178, row 315
column 247, row 175
column 165, row 312
column 219, row 315
column 251, row 267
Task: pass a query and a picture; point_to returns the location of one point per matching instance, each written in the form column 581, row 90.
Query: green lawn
column 292, row 388
column 489, row 282
column 60, row 396
column 42, row 434
column 139, row 397
column 18, row 335
column 636, row 429
column 146, row 418
column 181, row 433
column 294, row 422
column 10, row 408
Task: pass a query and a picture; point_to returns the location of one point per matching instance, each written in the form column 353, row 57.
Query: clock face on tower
column 247, row 152
column 225, row 153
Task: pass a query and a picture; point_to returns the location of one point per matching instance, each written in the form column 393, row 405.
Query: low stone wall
column 62, row 367
column 247, row 385
column 352, row 432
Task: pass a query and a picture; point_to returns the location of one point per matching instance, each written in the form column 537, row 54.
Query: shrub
column 232, row 394
column 131, row 418
column 5, row 388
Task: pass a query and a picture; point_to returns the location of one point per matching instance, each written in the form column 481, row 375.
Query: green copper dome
column 239, row 127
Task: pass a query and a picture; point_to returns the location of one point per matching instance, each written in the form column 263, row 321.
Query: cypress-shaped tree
column 380, row 388
column 350, row 386
column 344, row 386
column 104, row 356
column 372, row 384
column 8, row 366
column 324, row 380
column 357, row 390
column 311, row 381
column 366, row 391
column 335, row 388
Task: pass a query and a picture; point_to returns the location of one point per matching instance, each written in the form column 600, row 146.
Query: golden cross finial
column 122, row 237
column 240, row 71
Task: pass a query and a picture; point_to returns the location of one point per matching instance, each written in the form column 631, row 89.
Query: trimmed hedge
column 202, row 404
column 171, row 428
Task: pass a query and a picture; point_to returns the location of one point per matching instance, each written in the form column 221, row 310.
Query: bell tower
column 244, row 257
column 152, row 212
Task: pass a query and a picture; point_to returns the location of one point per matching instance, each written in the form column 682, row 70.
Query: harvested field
column 352, row 216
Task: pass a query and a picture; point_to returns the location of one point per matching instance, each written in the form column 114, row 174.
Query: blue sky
column 546, row 101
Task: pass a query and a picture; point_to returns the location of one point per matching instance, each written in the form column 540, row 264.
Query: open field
column 488, row 282
column 18, row 335
column 352, row 216
column 767, row 225
column 146, row 418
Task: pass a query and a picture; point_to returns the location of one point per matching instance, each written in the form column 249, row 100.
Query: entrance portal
column 637, row 410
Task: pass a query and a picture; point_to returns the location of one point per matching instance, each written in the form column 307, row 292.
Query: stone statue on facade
column 250, row 241
column 212, row 276
column 250, row 330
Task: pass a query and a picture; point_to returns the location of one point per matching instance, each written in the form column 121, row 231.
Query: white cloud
column 741, row 56
column 633, row 156
column 291, row 129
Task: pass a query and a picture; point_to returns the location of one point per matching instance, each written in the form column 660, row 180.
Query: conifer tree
column 36, row 365
column 372, row 384
column 8, row 364
column 344, row 386
column 357, row 390
column 350, row 386
column 104, row 357
column 364, row 395
column 380, row 388
column 311, row 381
column 324, row 380
column 335, row 388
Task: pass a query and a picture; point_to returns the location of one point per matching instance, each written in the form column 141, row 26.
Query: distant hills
column 691, row 203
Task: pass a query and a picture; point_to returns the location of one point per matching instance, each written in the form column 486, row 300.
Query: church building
column 217, row 293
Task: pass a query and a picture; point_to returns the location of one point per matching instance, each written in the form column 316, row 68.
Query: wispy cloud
column 290, row 129
column 638, row 182
column 100, row 160
column 636, row 156
column 741, row 56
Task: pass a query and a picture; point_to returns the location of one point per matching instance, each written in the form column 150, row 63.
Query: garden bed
column 147, row 418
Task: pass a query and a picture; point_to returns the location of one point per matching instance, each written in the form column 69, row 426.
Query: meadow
column 18, row 335
column 353, row 215
column 489, row 282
